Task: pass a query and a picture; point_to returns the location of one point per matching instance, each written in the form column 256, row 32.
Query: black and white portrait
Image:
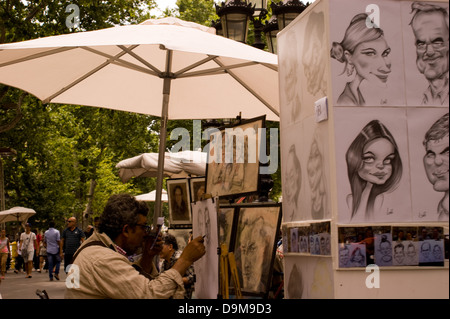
column 383, row 249
column 374, row 164
column 204, row 215
column 294, row 246
column 179, row 201
column 426, row 39
column 366, row 58
column 254, row 249
column 429, row 155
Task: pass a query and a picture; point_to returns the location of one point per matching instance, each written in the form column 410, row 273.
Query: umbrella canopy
column 123, row 68
column 138, row 68
column 151, row 197
column 16, row 214
column 176, row 165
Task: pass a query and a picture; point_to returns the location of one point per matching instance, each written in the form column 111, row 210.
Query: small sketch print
column 383, row 249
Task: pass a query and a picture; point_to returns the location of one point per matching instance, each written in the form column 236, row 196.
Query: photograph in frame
column 256, row 235
column 179, row 201
column 233, row 159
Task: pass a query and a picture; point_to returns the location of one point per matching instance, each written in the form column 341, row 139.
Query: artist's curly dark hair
column 121, row 210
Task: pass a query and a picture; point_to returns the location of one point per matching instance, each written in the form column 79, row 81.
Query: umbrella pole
column 162, row 137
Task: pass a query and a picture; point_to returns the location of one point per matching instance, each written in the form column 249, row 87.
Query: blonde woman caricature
column 374, row 167
column 365, row 53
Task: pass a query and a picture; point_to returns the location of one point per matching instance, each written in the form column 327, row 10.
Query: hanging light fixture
column 235, row 17
column 286, row 11
column 270, row 29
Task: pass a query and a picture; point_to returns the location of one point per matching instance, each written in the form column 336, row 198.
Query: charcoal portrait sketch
column 436, row 162
column 365, row 54
column 293, row 182
column 374, row 167
column 430, row 26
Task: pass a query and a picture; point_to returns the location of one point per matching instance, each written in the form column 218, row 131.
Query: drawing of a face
column 411, row 251
column 437, row 253
column 376, row 166
column 386, row 250
column 178, row 196
column 315, row 177
column 293, row 180
column 371, row 60
column 252, row 257
column 425, row 250
column 344, row 256
column 399, row 253
column 436, row 162
column 432, row 44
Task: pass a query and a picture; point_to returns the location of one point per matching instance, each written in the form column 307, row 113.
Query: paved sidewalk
column 16, row 286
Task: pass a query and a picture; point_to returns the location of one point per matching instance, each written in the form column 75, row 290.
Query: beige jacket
column 103, row 273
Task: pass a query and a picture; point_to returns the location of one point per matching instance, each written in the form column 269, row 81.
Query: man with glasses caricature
column 71, row 239
column 103, row 269
column 431, row 32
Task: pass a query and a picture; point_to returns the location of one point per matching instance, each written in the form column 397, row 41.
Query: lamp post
column 235, row 17
column 286, row 11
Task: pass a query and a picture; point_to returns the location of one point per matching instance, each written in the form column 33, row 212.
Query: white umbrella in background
column 16, row 214
column 151, row 197
column 176, row 165
column 138, row 68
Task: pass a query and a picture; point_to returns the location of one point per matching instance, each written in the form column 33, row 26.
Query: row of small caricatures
column 392, row 246
column 396, row 55
column 313, row 239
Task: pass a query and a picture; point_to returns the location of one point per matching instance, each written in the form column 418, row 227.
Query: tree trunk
column 88, row 211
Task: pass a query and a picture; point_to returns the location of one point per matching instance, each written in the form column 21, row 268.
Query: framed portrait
column 233, row 159
column 225, row 220
column 197, row 188
column 257, row 230
column 179, row 201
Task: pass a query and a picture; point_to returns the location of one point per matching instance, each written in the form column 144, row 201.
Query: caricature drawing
column 294, row 240
column 292, row 80
column 358, row 257
column 430, row 26
column 317, row 183
column 374, row 167
column 365, row 53
column 293, row 182
column 412, row 257
column 399, row 254
column 383, row 253
column 312, row 57
column 295, row 286
column 436, row 162
column 344, row 256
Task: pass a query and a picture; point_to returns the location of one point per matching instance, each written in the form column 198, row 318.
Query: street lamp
column 235, row 18
column 286, row 11
column 270, row 29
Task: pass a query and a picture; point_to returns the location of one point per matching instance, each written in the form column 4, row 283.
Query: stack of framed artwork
column 375, row 167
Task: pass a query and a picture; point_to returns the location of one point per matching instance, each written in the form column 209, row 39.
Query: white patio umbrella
column 151, row 197
column 16, row 214
column 180, row 164
column 137, row 68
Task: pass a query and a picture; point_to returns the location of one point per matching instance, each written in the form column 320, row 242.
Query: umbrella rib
column 37, row 56
column 121, row 62
column 82, row 78
column 219, row 70
column 259, row 97
column 192, row 66
column 140, row 59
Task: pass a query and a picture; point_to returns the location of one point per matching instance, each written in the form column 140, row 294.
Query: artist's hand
column 194, row 250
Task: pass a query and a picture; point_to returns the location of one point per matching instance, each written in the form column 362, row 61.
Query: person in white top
column 28, row 245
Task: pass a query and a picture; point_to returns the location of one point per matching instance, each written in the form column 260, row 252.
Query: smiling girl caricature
column 365, row 53
column 374, row 167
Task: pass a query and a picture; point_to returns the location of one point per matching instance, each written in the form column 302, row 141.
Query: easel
column 228, row 264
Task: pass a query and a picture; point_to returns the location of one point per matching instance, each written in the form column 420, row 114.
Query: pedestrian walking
column 52, row 241
column 71, row 239
column 28, row 246
column 5, row 253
